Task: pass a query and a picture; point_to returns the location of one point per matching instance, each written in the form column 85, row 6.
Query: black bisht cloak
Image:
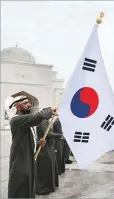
column 21, row 166
column 46, row 173
column 59, row 147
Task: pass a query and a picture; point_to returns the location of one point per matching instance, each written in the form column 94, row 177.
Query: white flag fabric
column 87, row 108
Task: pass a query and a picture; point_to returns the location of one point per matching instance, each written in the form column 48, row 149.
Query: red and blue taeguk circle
column 84, row 102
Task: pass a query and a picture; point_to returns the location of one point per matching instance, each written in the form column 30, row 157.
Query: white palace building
column 21, row 75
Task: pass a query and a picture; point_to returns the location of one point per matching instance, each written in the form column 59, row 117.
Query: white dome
column 16, row 54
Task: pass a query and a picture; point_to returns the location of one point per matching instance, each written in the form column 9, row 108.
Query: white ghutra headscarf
column 13, row 110
column 13, row 106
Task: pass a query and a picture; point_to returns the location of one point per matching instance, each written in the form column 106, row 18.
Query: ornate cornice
column 28, row 64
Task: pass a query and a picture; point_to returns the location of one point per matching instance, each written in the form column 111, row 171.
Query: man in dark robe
column 21, row 166
column 67, row 152
column 46, row 166
column 59, row 147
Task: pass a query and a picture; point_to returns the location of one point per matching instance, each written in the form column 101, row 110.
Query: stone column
column 2, row 113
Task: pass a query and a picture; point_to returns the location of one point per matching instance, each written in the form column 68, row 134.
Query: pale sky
column 56, row 32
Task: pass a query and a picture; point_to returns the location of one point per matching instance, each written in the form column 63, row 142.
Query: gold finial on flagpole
column 99, row 19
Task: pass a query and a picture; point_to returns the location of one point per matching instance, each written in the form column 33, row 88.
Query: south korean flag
column 87, row 108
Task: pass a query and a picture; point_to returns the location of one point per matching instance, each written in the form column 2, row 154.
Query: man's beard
column 24, row 112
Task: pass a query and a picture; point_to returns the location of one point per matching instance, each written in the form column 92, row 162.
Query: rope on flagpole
column 99, row 19
column 46, row 133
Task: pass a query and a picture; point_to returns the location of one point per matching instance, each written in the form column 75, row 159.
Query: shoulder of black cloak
column 44, row 125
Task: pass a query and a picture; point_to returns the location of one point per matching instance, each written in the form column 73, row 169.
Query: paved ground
column 78, row 184
column 95, row 182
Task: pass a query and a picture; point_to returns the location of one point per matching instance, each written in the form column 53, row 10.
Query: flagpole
column 46, row 133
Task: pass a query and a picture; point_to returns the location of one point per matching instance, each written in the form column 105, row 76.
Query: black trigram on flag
column 81, row 137
column 89, row 64
column 107, row 124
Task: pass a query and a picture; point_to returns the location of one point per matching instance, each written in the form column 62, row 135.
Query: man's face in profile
column 25, row 107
